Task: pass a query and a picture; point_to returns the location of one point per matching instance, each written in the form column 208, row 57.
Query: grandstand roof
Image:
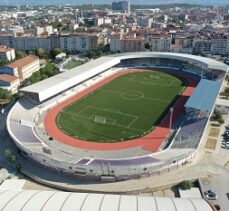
column 50, row 200
column 204, row 96
column 58, row 83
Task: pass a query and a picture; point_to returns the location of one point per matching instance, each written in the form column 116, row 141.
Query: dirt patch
column 214, row 132
column 211, row 144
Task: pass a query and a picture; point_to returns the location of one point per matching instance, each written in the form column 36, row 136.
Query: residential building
column 161, row 43
column 201, row 46
column 6, row 54
column 121, row 6
column 22, row 68
column 7, row 40
column 26, row 43
column 65, row 42
column 119, row 44
column 44, row 43
column 79, row 42
column 98, row 21
column 144, row 22
column 9, row 82
column 219, row 45
column 115, row 43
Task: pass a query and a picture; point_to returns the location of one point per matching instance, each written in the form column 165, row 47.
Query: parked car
column 217, row 207
column 210, row 194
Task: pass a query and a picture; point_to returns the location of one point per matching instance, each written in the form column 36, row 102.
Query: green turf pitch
column 129, row 106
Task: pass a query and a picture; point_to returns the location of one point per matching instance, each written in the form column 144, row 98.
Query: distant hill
column 153, row 2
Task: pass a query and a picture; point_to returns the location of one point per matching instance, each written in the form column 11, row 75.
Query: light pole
column 171, row 118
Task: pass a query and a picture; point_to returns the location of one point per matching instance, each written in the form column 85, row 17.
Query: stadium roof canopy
column 27, row 200
column 204, row 96
column 63, row 81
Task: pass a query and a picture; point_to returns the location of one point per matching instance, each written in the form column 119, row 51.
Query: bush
column 8, row 153
column 217, row 116
column 185, row 185
column 5, row 94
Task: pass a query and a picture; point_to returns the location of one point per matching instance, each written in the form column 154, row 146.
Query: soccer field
column 127, row 107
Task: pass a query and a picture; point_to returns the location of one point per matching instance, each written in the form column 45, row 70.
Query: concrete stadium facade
column 28, row 132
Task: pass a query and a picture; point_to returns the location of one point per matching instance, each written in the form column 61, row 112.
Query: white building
column 98, row 21
column 115, row 44
column 22, row 68
column 145, row 22
column 6, row 54
column 161, row 43
column 79, row 42
column 9, row 82
column 18, row 199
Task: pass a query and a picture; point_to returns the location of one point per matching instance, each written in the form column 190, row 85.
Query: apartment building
column 121, row 6
column 126, row 44
column 26, row 42
column 161, row 43
column 22, row 68
column 144, row 22
column 9, row 82
column 219, row 45
column 7, row 40
column 79, row 42
column 6, row 53
column 201, row 46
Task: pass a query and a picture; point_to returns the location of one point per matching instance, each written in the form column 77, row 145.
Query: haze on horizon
column 142, row 2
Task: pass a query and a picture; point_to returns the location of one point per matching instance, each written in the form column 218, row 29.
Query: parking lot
column 225, row 141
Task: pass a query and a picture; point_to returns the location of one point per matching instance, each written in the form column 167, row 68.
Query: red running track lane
column 150, row 142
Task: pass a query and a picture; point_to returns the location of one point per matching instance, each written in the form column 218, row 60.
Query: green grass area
column 73, row 63
column 129, row 106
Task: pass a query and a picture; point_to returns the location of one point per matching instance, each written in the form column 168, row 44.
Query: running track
column 150, row 142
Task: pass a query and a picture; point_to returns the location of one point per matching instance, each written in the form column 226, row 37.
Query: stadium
column 119, row 117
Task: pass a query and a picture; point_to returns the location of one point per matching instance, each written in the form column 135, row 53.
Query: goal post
column 100, row 119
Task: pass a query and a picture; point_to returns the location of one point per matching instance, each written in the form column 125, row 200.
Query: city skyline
column 136, row 2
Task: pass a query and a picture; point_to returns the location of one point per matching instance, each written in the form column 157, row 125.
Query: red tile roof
column 23, row 62
column 8, row 78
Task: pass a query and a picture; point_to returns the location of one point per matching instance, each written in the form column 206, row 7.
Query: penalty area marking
column 159, row 81
column 112, row 122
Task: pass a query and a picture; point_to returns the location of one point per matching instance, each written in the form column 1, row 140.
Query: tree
column 56, row 24
column 5, row 94
column 55, row 52
column 217, row 116
column 3, row 63
column 42, row 53
column 20, row 54
column 46, row 72
column 18, row 168
column 32, row 53
column 186, row 185
column 8, row 153
column 13, row 159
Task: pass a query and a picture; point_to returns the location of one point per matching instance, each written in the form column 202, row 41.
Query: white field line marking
column 102, row 109
column 132, row 122
column 140, row 97
column 74, row 114
column 160, row 82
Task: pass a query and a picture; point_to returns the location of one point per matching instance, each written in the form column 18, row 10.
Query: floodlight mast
column 171, row 119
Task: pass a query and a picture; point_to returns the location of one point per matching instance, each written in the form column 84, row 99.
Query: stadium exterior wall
column 91, row 171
